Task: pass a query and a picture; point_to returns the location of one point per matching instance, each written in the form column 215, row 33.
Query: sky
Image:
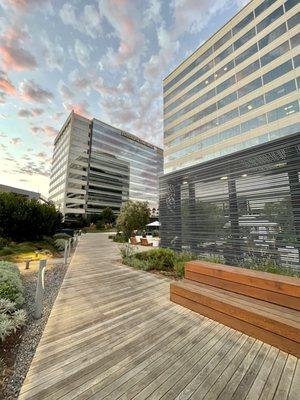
column 103, row 58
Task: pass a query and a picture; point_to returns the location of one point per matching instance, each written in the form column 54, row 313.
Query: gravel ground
column 21, row 348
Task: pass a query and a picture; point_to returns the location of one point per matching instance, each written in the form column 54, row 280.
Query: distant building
column 21, row 192
column 96, row 166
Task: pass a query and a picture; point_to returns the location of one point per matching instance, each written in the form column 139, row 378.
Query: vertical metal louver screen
column 242, row 206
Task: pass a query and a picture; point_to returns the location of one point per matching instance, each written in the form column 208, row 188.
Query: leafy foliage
column 11, row 286
column 23, row 219
column 11, row 318
column 134, row 215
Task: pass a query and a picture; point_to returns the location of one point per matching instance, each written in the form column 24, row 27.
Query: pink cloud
column 79, row 108
column 15, row 141
column 32, row 92
column 6, row 86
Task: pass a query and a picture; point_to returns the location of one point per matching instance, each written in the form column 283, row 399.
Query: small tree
column 107, row 216
column 134, row 215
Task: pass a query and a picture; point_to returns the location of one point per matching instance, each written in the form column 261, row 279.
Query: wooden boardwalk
column 114, row 334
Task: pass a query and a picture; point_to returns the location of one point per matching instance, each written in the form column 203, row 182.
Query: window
column 263, row 6
column 246, row 54
column 250, row 87
column 277, row 72
column 252, row 105
column 247, row 71
column 275, row 53
column 241, row 25
column 294, row 21
column 270, row 19
column 253, row 123
column 231, row 132
column 228, row 116
column 244, row 39
column 297, row 61
column 270, row 37
column 226, row 84
column 290, row 4
column 227, row 100
column 280, row 91
column 298, row 82
column 223, row 40
column 283, row 111
column 220, row 72
column 295, row 40
column 225, row 53
column 288, row 130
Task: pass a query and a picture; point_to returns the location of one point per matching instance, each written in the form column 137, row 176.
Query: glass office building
column 231, row 189
column 239, row 89
column 96, row 166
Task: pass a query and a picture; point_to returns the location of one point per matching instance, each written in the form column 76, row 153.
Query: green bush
column 3, row 242
column 11, row 286
column 266, row 264
column 6, row 251
column 118, row 238
column 158, row 259
column 11, row 318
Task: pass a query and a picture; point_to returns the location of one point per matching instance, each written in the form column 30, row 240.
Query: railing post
column 66, row 252
column 39, row 294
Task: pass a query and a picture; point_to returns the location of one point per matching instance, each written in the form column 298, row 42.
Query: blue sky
column 103, row 58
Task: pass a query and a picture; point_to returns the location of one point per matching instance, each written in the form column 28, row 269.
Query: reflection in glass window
column 287, row 130
column 275, row 53
column 223, row 40
column 244, row 39
column 226, row 84
column 227, row 67
column 228, row 116
column 247, row 71
column 227, row 100
column 252, row 105
column 277, row 72
column 283, row 111
column 293, row 21
column 246, row 54
column 295, row 40
column 263, row 6
column 280, row 91
column 257, row 83
column 297, row 61
column 231, row 132
column 290, row 4
column 253, row 123
column 241, row 25
column 270, row 37
column 270, row 19
column 298, row 82
column 225, row 53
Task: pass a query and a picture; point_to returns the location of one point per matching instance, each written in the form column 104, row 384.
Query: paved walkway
column 114, row 334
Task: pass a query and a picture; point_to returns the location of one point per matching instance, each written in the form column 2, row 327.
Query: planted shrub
column 11, row 286
column 11, row 318
column 159, row 259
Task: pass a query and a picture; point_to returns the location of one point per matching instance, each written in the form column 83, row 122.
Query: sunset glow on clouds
column 102, row 58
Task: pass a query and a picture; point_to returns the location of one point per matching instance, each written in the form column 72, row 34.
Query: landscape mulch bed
column 17, row 351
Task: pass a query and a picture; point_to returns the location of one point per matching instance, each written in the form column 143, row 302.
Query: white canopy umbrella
column 155, row 223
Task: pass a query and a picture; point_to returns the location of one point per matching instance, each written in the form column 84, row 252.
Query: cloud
column 53, row 52
column 34, row 112
column 14, row 55
column 88, row 22
column 79, row 108
column 15, row 141
column 47, row 130
column 82, row 53
column 65, row 92
column 31, row 91
column 6, row 87
column 24, row 5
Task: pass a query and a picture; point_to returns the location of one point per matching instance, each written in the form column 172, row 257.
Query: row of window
column 241, row 92
column 242, row 24
column 243, row 109
column 263, row 119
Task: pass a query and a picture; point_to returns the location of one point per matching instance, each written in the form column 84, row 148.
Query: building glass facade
column 96, row 166
column 239, row 89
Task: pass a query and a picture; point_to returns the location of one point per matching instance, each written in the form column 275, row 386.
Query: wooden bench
column 263, row 305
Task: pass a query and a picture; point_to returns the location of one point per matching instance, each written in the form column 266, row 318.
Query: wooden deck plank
column 114, row 334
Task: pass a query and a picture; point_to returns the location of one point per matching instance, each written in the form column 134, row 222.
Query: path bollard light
column 66, row 252
column 27, row 262
column 69, row 247
column 39, row 294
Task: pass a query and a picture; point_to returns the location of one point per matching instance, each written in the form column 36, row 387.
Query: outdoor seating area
column 263, row 305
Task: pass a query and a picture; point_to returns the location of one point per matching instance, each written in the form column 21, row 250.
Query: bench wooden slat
column 245, row 311
column 263, row 280
column 251, row 291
